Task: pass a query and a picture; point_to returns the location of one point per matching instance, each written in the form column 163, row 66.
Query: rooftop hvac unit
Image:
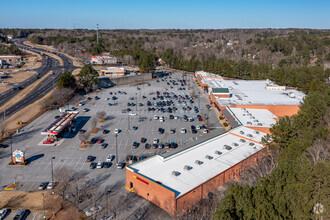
column 256, row 120
column 251, row 143
column 249, row 114
column 186, row 167
column 218, row 152
column 176, row 173
column 199, row 162
column 208, row 157
column 249, row 123
column 249, row 135
column 252, row 117
column 227, row 147
column 292, row 95
column 257, row 132
column 244, row 108
column 243, row 114
column 259, row 124
column 242, row 140
column 235, row 144
column 241, row 132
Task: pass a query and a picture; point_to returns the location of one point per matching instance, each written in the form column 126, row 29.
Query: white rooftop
column 160, row 168
column 254, row 117
column 207, row 74
column 254, row 92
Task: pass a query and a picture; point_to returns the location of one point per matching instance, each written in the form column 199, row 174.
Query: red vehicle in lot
column 100, row 141
column 89, row 98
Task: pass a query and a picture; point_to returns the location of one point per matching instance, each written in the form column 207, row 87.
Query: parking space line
column 77, row 163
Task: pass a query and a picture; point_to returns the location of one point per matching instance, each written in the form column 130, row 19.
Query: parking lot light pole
column 136, row 101
column 43, row 204
column 116, row 149
column 128, row 123
column 52, row 169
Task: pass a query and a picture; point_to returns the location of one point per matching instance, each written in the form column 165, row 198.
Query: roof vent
column 186, row 167
column 208, row 157
column 235, row 144
column 251, row 143
column 199, row 162
column 227, row 147
column 242, row 140
column 249, row 135
column 257, row 132
column 218, row 152
column 176, row 173
column 241, row 132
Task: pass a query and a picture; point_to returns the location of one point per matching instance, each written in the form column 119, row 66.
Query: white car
column 183, row 130
column 107, row 99
column 176, row 117
column 205, row 131
column 198, row 127
column 162, row 119
column 81, row 104
column 156, row 117
column 116, row 131
column 3, row 213
column 155, row 141
column 132, row 114
column 109, row 158
column 99, row 165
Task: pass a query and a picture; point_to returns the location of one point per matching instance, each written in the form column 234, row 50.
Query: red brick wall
column 154, row 192
column 189, row 198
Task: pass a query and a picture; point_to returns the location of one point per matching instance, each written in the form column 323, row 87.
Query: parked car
column 51, row 185
column 100, row 165
column 104, row 145
column 100, row 141
column 143, row 140
column 155, row 141
column 42, row 185
column 89, row 158
column 147, row 146
column 116, row 131
column 3, row 213
column 120, row 165
column 135, row 144
column 92, row 165
column 21, row 214
column 109, row 158
column 107, row 164
column 183, row 130
column 105, row 131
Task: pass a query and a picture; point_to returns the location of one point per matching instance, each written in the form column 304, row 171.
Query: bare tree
column 101, row 115
column 63, row 175
column 94, row 122
column 319, row 151
column 83, row 137
column 3, row 128
column 53, row 202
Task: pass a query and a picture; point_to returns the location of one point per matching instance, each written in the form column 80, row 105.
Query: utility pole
column 128, row 122
column 52, row 169
column 97, row 33
column 116, row 149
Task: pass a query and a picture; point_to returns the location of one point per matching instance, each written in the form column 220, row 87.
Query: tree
column 101, row 115
column 94, row 122
column 146, row 61
column 63, row 175
column 66, row 80
column 88, row 77
column 83, row 137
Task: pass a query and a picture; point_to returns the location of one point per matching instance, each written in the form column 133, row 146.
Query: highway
column 43, row 87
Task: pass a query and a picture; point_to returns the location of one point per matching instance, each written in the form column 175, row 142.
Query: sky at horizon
column 170, row 14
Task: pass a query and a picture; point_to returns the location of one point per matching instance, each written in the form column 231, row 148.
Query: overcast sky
column 183, row 14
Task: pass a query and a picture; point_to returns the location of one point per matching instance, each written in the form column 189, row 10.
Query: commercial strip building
column 103, row 60
column 10, row 59
column 250, row 108
column 113, row 71
column 182, row 179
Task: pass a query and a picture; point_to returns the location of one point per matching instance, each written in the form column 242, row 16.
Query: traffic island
column 84, row 146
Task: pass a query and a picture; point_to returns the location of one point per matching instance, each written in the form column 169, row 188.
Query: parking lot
column 118, row 117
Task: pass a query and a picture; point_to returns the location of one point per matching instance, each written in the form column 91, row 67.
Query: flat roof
column 254, row 117
column 57, row 126
column 220, row 90
column 159, row 168
column 254, row 92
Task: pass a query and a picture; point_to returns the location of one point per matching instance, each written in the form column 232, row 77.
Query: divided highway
column 44, row 86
